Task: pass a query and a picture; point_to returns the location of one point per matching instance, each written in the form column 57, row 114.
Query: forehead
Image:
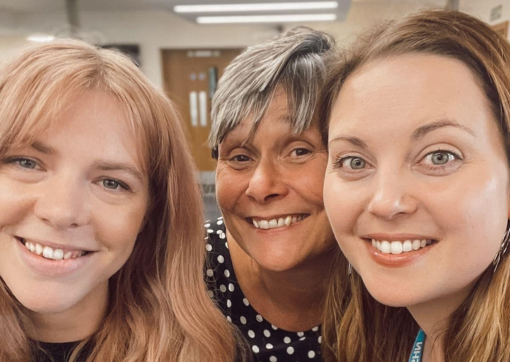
column 408, row 90
column 275, row 119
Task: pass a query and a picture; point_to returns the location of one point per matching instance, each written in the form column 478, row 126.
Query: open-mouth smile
column 399, row 246
column 48, row 252
column 276, row 222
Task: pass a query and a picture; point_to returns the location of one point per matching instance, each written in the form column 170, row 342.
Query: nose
column 267, row 183
column 61, row 203
column 392, row 197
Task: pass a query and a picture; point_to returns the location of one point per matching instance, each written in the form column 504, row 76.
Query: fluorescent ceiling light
column 41, row 38
column 264, row 18
column 255, row 7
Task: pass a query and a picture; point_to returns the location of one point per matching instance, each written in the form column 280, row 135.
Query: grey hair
column 295, row 61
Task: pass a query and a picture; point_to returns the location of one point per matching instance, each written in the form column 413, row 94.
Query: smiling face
column 417, row 182
column 73, row 204
column 269, row 189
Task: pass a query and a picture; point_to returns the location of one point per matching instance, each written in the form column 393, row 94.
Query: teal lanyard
column 418, row 347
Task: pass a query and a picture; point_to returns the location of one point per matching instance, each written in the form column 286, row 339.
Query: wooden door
column 189, row 79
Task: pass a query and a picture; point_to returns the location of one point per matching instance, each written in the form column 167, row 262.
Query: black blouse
column 268, row 342
column 55, row 352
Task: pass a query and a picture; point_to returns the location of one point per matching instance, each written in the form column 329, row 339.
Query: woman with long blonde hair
column 101, row 222
column 417, row 116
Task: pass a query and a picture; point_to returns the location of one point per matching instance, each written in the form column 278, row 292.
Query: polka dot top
column 267, row 342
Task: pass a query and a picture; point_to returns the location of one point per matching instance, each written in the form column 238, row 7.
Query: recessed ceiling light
column 40, row 38
column 256, row 7
column 265, row 18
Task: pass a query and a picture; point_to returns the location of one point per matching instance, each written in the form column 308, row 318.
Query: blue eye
column 441, row 157
column 350, row 162
column 22, row 162
column 112, row 184
column 27, row 163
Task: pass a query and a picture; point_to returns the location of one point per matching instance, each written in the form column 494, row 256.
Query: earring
column 349, row 269
column 503, row 248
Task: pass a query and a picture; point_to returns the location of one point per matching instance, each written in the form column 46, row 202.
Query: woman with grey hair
column 271, row 253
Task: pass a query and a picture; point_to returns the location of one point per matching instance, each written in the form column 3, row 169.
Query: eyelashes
column 438, row 162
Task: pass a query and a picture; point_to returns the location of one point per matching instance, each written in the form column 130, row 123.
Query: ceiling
column 141, row 5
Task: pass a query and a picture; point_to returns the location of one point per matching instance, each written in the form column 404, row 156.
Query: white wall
column 481, row 9
column 154, row 31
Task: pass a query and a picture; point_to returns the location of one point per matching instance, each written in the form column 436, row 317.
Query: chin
column 392, row 296
column 48, row 304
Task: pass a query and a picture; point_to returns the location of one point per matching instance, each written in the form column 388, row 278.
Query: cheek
column 478, row 210
column 15, row 204
column 230, row 186
column 340, row 206
column 119, row 230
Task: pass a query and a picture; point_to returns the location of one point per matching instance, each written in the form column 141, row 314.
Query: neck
column 433, row 318
column 290, row 299
column 75, row 323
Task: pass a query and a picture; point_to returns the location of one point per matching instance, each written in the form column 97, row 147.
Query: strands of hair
column 293, row 61
column 361, row 329
column 158, row 309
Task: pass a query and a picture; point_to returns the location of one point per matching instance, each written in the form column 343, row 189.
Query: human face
column 415, row 154
column 269, row 190
column 79, row 188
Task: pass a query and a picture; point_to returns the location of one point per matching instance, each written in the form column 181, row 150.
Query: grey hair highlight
column 295, row 61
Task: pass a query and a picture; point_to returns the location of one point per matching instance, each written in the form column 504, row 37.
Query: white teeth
column 396, row 247
column 48, row 252
column 276, row 223
column 385, row 247
column 399, row 247
column 407, row 246
column 58, row 254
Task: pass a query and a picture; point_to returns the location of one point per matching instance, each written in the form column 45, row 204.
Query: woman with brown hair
column 100, row 227
column 418, row 192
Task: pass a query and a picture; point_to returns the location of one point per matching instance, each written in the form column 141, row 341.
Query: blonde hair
column 159, row 309
column 361, row 329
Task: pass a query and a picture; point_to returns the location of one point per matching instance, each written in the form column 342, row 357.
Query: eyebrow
column 417, row 134
column 352, row 140
column 118, row 166
column 41, row 147
column 423, row 130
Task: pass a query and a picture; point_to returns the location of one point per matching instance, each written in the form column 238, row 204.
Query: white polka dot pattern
column 266, row 340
